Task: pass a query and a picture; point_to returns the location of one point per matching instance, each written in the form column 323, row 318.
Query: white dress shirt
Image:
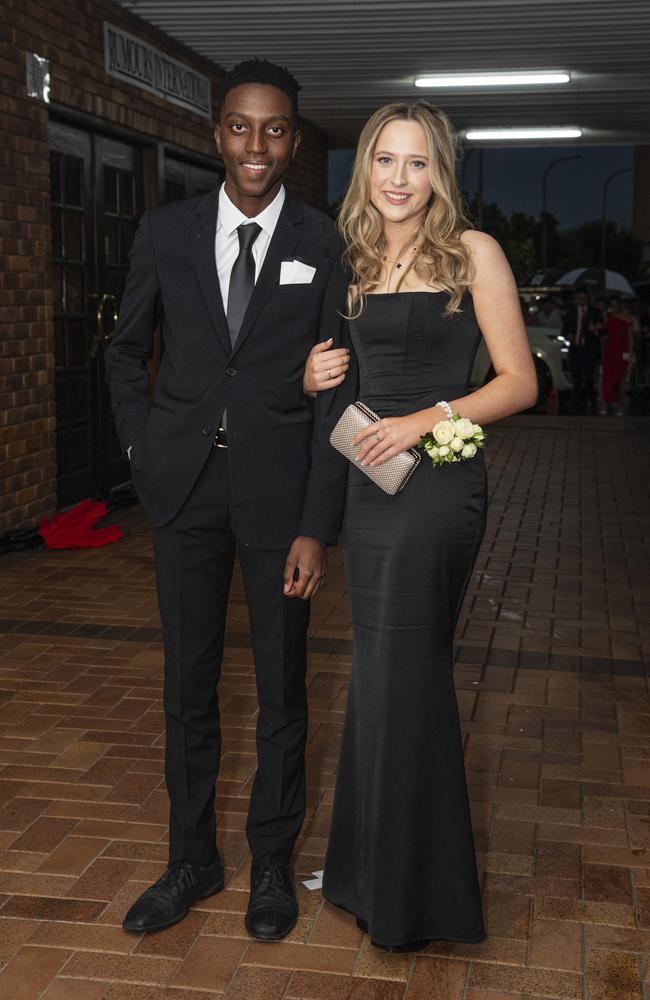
column 226, row 241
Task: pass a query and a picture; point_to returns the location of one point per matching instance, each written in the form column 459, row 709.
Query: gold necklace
column 398, row 263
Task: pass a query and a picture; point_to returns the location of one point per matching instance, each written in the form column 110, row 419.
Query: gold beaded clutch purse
column 393, row 474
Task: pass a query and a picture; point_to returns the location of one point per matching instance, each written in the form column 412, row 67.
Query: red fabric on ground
column 75, row 528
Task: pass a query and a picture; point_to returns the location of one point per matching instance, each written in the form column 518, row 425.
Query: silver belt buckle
column 219, row 441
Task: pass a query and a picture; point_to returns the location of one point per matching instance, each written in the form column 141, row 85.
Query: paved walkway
column 552, row 672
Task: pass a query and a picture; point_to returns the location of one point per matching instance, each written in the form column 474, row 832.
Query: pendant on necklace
column 398, row 266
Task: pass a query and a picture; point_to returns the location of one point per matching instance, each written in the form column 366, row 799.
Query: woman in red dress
column 617, row 354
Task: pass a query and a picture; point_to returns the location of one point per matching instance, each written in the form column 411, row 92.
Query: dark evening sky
column 513, row 179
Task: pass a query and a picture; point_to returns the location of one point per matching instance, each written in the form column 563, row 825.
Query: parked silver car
column 550, row 351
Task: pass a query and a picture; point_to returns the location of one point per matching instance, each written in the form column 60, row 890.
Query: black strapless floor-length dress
column 401, row 851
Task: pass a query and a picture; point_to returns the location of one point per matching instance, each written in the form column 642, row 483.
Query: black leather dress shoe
column 272, row 908
column 169, row 899
column 408, row 946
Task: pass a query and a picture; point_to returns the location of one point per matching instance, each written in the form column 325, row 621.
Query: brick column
column 27, row 424
column 307, row 176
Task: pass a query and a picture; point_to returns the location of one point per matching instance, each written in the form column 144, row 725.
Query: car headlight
column 558, row 337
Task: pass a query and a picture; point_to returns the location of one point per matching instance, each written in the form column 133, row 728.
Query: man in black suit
column 581, row 325
column 230, row 455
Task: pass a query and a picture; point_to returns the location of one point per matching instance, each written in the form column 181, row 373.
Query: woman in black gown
column 424, row 287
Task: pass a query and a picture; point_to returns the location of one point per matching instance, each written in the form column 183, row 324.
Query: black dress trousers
column 194, row 563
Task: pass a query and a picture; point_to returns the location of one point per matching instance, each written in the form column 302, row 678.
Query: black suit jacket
column 591, row 341
column 286, row 479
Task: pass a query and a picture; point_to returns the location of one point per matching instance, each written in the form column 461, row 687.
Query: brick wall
column 308, row 173
column 27, row 456
column 70, row 34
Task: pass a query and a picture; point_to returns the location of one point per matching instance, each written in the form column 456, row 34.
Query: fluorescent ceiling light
column 476, row 135
column 492, row 80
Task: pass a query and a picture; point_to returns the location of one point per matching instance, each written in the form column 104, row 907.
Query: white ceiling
column 351, row 56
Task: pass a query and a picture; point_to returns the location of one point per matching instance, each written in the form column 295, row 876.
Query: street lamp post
column 479, row 193
column 479, row 188
column 553, row 163
column 603, row 230
column 466, row 157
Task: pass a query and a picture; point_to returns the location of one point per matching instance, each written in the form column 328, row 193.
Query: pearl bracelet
column 447, row 408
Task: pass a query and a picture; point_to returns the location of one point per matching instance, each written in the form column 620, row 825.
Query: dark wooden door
column 183, row 179
column 96, row 202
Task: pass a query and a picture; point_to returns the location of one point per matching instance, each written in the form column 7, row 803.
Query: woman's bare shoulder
column 481, row 244
column 488, row 259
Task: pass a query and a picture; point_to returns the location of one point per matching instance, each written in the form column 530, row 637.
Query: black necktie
column 242, row 278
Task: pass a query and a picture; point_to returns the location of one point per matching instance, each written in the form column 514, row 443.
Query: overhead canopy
column 351, row 56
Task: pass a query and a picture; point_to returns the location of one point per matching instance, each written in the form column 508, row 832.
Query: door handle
column 104, row 301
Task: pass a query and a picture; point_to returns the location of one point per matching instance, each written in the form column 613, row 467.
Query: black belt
column 221, row 438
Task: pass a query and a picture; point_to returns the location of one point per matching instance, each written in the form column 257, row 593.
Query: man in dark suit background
column 230, row 455
column 582, row 325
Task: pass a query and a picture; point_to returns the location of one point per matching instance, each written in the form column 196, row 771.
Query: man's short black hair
column 261, row 71
column 581, row 290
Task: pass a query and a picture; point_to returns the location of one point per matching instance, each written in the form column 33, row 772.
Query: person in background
column 641, row 372
column 581, row 325
column 601, row 304
column 618, row 353
column 548, row 314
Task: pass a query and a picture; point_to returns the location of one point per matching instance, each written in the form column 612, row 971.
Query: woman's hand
column 387, row 437
column 326, row 367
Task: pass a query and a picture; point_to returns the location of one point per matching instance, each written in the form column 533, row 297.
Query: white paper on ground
column 314, row 883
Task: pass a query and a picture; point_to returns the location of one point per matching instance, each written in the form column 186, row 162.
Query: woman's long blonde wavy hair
column 442, row 258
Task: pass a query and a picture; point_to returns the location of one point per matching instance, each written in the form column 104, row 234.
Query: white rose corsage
column 453, row 440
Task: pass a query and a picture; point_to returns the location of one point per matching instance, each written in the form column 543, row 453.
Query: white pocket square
column 295, row 272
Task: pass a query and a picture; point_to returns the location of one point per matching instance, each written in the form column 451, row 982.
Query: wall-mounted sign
column 130, row 58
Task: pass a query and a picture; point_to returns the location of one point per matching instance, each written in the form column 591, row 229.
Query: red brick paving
column 552, row 667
